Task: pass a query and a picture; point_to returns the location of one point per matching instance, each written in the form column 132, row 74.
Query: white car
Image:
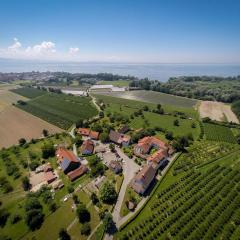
column 65, row 199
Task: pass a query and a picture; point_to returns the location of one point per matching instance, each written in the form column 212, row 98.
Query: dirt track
column 217, row 111
column 15, row 124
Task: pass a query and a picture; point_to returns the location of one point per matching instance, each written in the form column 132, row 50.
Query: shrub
column 86, row 229
column 83, row 214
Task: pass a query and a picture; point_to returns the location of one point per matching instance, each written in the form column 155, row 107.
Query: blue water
column 153, row 71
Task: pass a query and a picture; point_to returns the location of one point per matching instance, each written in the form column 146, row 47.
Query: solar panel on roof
column 65, row 163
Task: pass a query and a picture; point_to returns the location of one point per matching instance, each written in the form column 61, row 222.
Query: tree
column 104, row 137
column 45, row 132
column 34, row 218
column 94, row 198
column 112, row 147
column 26, row 183
column 108, row 193
column 101, row 114
column 83, row 213
column 22, row 141
column 145, row 108
column 79, row 123
column 48, row 150
column 108, row 222
column 63, row 235
column 86, row 229
column 159, row 106
column 169, row 135
column 176, row 122
column 4, row 214
column 193, row 125
column 78, row 140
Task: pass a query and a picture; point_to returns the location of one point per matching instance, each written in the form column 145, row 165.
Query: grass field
column 128, row 107
column 156, row 97
column 120, row 83
column 60, row 109
column 29, row 92
column 178, row 210
column 218, row 133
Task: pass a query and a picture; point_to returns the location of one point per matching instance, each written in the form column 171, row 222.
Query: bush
column 25, row 183
column 22, row 141
column 15, row 218
column 63, row 235
column 4, row 214
column 34, row 218
column 108, row 222
column 86, row 229
column 48, row 151
column 108, row 193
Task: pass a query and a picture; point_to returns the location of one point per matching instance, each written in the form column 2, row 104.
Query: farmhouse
column 119, row 138
column 143, row 179
column 158, row 159
column 77, row 172
column 67, row 160
column 87, row 147
column 88, row 133
column 145, row 145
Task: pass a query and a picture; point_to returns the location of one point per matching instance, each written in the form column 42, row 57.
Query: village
column 140, row 170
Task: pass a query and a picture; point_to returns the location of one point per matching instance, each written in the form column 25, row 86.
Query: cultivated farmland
column 155, row 97
column 60, row 109
column 16, row 124
column 218, row 133
column 29, row 92
column 181, row 211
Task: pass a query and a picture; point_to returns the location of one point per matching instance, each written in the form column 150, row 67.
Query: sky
column 144, row 31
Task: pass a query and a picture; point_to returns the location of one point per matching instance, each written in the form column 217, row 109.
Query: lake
column 153, row 71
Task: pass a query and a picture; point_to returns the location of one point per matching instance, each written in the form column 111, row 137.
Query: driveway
column 129, row 171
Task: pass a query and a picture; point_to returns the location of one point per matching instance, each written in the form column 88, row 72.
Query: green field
column 29, row 92
column 128, row 107
column 120, row 83
column 60, row 109
column 178, row 210
column 156, row 97
column 218, row 133
column 203, row 152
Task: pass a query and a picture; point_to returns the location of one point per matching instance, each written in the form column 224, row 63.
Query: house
column 88, row 133
column 77, row 172
column 50, row 177
column 143, row 179
column 119, row 138
column 67, row 160
column 124, row 129
column 145, row 145
column 87, row 147
column 115, row 166
column 158, row 159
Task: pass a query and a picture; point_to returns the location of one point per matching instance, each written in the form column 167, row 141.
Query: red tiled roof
column 84, row 131
column 87, row 145
column 63, row 153
column 77, row 172
column 157, row 156
column 49, row 176
column 94, row 135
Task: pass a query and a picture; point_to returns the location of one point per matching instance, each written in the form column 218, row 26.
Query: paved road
column 129, row 171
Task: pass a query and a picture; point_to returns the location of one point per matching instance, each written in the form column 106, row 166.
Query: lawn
column 218, row 133
column 29, row 92
column 165, row 121
column 120, row 83
column 60, row 109
column 156, row 97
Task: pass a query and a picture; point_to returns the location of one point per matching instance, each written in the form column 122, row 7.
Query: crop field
column 7, row 98
column 203, row 152
column 16, row 124
column 60, row 109
column 181, row 211
column 218, row 133
column 155, row 97
column 128, row 107
column 29, row 92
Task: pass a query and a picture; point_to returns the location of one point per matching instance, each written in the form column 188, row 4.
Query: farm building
column 143, row 179
column 158, row 159
column 77, row 172
column 49, row 177
column 88, row 133
column 109, row 88
column 119, row 139
column 87, row 147
column 144, row 146
column 67, row 160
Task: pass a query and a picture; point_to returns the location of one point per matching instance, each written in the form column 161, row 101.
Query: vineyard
column 59, row 109
column 203, row 152
column 29, row 92
column 218, row 133
column 198, row 206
